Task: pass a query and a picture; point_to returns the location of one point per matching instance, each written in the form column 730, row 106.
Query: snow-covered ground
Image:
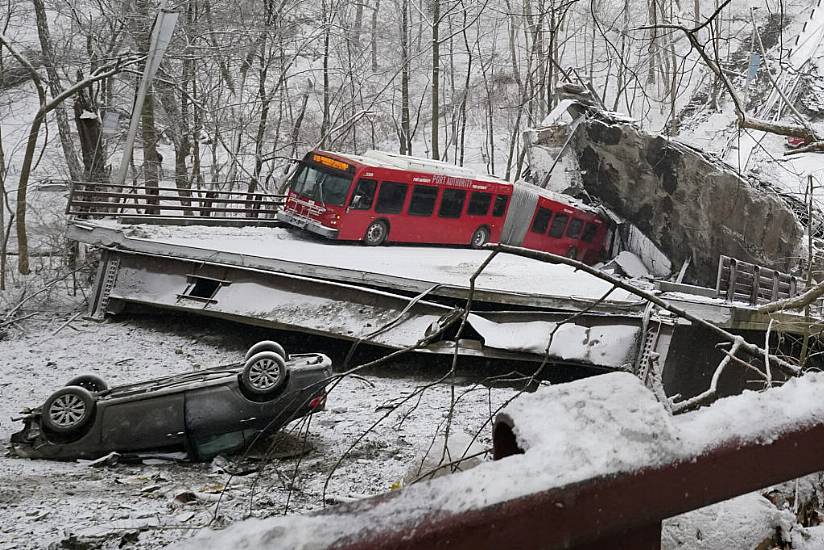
column 601, row 426
column 45, row 502
column 152, row 504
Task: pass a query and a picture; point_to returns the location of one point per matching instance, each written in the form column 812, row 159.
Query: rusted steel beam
column 606, row 512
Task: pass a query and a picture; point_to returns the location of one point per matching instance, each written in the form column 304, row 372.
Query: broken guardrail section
column 596, row 463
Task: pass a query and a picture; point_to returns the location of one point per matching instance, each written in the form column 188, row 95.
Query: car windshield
column 321, row 185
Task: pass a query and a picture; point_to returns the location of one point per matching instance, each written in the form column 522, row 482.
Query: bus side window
column 589, row 232
column 423, row 199
column 541, row 221
column 391, row 197
column 574, row 229
column 452, row 203
column 479, row 204
column 558, row 225
column 364, row 195
column 500, row 206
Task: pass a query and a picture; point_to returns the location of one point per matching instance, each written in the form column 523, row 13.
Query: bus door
column 359, row 210
column 422, row 224
column 451, row 221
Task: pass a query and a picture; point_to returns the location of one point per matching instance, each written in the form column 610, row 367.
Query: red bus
column 384, row 197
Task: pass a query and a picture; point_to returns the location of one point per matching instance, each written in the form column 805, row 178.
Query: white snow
column 44, row 502
column 436, row 265
column 609, row 345
column 742, row 522
column 631, row 264
column 594, row 427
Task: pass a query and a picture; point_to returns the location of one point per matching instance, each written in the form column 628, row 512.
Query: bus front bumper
column 307, row 224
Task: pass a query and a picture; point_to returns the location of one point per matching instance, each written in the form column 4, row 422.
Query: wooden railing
column 745, row 282
column 96, row 200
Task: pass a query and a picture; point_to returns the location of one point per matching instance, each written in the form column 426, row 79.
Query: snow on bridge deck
column 508, row 279
column 274, row 278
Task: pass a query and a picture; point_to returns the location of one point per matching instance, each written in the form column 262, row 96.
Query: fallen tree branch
column 794, row 302
column 711, row 392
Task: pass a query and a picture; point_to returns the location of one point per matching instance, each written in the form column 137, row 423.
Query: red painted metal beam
column 620, row 511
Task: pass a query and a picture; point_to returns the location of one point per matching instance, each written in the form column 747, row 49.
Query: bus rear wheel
column 480, row 237
column 376, row 233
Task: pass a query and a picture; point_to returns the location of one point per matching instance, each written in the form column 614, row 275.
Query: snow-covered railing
column 596, row 463
column 109, row 200
column 746, row 282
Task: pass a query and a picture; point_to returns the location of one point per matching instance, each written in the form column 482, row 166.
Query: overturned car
column 204, row 413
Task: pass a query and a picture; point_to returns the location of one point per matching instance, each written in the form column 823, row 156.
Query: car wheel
column 68, row 409
column 267, row 345
column 91, row 382
column 264, row 373
column 376, row 233
column 480, row 237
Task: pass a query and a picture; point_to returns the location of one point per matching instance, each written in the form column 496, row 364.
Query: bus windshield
column 321, row 185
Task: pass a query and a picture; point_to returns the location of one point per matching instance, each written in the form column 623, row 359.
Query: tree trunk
column 356, row 28
column 465, row 97
column 151, row 158
column 651, row 49
column 374, row 35
column 2, row 210
column 92, row 147
column 141, row 33
column 327, row 23
column 25, row 172
column 436, row 75
column 299, row 119
column 406, row 136
column 56, row 88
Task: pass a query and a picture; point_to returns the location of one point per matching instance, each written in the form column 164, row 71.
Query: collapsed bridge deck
column 391, row 296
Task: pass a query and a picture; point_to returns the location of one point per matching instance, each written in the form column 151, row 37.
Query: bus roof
column 382, row 159
column 396, row 161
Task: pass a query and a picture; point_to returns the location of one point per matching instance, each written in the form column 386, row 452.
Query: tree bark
column 49, row 58
column 327, row 23
column 406, row 136
column 374, row 35
column 2, row 209
column 89, row 130
column 436, row 76
column 151, row 159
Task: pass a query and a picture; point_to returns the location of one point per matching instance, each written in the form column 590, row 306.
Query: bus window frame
column 552, row 226
column 460, row 211
column 434, row 201
column 496, row 213
column 533, row 227
column 400, row 208
column 578, row 233
column 355, row 195
column 489, row 200
column 588, row 235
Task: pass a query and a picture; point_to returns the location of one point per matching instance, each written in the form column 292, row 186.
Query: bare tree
column 46, row 105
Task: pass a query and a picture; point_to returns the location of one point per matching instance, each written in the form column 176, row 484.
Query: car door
column 135, row 423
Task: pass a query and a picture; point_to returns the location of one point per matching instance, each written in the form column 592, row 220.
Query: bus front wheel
column 376, row 233
column 480, row 237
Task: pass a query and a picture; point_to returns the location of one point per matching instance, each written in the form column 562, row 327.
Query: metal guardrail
column 91, row 199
